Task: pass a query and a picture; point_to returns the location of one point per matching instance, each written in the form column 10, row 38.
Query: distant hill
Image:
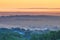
column 30, row 16
column 30, row 21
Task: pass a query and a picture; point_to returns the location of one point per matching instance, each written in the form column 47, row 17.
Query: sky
column 29, row 6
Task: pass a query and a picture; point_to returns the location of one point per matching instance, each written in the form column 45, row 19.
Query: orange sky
column 15, row 5
column 29, row 3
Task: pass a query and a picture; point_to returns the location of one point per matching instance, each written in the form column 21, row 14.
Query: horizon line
column 29, row 8
column 36, row 8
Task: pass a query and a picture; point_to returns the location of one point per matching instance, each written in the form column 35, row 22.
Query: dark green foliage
column 52, row 35
column 9, row 34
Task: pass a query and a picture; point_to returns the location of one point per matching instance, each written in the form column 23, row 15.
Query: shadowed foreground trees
column 9, row 34
column 52, row 35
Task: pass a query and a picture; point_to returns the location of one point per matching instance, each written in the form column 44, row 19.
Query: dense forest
column 22, row 34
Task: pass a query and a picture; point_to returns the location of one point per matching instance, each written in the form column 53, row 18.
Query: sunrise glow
column 29, row 6
column 16, row 4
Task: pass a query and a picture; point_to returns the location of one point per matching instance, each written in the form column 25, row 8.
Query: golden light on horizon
column 29, row 4
column 25, row 5
column 30, row 10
